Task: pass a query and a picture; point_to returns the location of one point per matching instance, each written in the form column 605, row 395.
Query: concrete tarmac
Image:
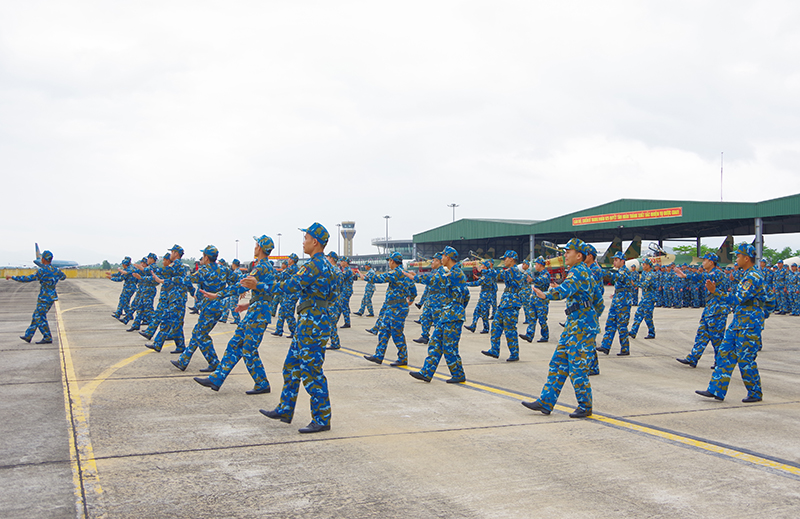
column 97, row 425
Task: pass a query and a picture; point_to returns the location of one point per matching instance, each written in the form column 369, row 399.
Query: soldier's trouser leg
column 611, row 327
column 622, row 320
column 200, row 337
column 493, row 303
column 427, row 320
column 345, row 308
column 710, row 330
column 505, row 322
column 738, row 346
column 527, row 306
column 568, row 361
column 512, row 336
column 39, row 320
column 481, row 312
column 590, row 351
column 304, row 363
column 334, row 342
column 244, row 343
column 393, row 324
column 444, row 341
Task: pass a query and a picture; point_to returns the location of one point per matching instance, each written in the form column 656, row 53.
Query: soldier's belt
column 305, row 305
column 574, row 307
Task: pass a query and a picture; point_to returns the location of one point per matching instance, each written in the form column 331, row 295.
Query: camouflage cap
column 332, row 255
column 589, row 249
column 47, row 255
column 438, row 256
column 345, row 259
column 450, row 252
column 236, row 262
column 152, row 256
column 647, row 261
column 368, row 264
column 487, row 263
column 396, row 257
column 293, row 257
column 166, row 256
column 539, row 261
column 576, row 244
column 510, row 254
column 318, row 232
column 711, row 256
column 747, row 249
column 211, row 252
column 177, row 248
column 619, row 255
column 265, row 242
column 780, row 262
column 222, row 261
column 126, row 260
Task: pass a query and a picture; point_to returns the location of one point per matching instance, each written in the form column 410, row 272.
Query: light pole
column 237, row 249
column 386, row 249
column 338, row 238
column 279, row 244
column 454, row 210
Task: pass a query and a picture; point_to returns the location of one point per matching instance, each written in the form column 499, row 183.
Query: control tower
column 348, row 231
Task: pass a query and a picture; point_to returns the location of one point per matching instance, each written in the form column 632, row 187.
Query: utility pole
column 386, row 248
column 454, row 210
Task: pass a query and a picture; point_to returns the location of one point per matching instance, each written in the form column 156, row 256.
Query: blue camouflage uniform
column 125, row 277
column 334, row 309
column 146, row 293
column 620, row 312
column 644, row 312
column 347, row 292
column 593, row 366
column 396, row 309
column 288, row 301
column 505, row 319
column 433, row 303
column 250, row 332
column 210, row 278
column 541, row 307
column 314, row 282
column 48, row 277
column 161, row 308
column 715, row 314
column 233, row 301
column 366, row 300
column 488, row 284
column 178, row 286
column 451, row 284
column 525, row 293
column 569, row 357
column 635, row 280
column 751, row 304
column 793, row 289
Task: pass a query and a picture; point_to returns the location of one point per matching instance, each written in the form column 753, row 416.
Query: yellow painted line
column 731, row 453
column 699, row 444
column 88, row 390
column 88, row 492
column 79, row 307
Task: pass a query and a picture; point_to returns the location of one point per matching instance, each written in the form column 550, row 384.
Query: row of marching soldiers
column 312, row 287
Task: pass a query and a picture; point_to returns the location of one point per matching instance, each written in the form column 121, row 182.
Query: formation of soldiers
column 318, row 293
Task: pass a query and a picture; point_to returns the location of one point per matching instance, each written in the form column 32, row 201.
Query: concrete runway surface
column 96, row 425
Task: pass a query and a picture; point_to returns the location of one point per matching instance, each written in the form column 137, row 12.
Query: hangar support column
column 532, row 244
column 759, row 238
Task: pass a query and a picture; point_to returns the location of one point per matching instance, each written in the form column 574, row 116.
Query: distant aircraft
column 62, row 264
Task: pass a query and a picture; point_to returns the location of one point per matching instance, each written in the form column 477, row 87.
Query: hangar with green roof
column 624, row 219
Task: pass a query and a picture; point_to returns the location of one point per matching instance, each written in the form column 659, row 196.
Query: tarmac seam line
column 84, row 469
column 777, row 465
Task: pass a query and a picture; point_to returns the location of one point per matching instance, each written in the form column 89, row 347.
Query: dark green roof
column 696, row 219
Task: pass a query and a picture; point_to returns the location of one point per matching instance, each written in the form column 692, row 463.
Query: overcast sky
column 126, row 127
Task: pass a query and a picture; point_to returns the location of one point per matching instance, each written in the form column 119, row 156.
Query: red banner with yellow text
column 647, row 214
